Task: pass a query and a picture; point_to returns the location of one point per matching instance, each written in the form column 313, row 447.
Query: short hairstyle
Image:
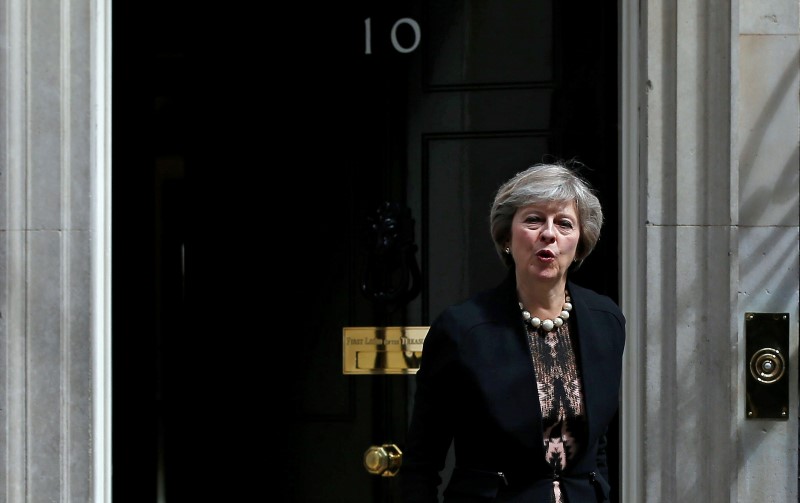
column 546, row 182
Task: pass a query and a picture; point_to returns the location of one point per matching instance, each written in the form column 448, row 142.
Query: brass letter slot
column 382, row 350
column 767, row 365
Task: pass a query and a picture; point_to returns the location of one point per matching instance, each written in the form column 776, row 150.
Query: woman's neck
column 542, row 298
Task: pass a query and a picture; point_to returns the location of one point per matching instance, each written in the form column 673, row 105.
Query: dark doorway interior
column 200, row 251
column 184, row 397
column 217, row 126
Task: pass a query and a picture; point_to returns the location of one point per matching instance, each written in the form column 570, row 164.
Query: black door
column 245, row 198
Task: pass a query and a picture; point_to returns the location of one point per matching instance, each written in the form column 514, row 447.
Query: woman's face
column 544, row 239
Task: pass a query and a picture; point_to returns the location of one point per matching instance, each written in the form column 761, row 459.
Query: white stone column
column 689, row 292
column 54, row 251
column 718, row 176
column 767, row 162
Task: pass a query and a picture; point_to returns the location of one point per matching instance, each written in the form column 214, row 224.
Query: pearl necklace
column 547, row 325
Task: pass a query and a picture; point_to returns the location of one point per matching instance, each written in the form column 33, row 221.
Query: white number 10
column 397, row 47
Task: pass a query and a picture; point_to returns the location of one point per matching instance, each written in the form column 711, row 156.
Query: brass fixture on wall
column 766, row 365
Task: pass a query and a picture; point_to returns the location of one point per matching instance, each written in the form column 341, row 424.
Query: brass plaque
column 382, row 350
column 767, row 365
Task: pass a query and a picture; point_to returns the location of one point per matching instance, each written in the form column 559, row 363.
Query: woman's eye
column 566, row 224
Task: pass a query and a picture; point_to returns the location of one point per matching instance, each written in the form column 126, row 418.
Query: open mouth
column 545, row 254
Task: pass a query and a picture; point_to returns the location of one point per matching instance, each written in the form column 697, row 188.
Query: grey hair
column 541, row 183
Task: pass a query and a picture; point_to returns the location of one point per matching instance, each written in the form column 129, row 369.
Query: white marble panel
column 660, row 104
column 45, row 111
column 79, row 156
column 51, row 145
column 768, row 268
column 13, row 296
column 688, row 116
column 768, row 17
column 58, row 366
column 45, row 319
column 657, row 348
column 690, row 135
column 8, row 376
column 768, row 282
column 688, row 360
column 769, row 130
column 78, row 361
column 13, row 116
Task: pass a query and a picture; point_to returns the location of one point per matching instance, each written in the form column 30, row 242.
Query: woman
column 524, row 378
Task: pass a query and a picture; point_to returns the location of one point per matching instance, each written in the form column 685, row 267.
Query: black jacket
column 476, row 387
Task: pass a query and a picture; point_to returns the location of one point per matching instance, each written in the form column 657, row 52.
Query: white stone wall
column 53, row 244
column 717, row 183
column 767, row 150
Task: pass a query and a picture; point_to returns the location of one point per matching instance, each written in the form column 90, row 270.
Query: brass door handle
column 384, row 460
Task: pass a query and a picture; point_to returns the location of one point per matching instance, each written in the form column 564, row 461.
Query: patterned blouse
column 560, row 396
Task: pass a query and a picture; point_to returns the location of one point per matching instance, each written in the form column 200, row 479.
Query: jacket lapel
column 595, row 389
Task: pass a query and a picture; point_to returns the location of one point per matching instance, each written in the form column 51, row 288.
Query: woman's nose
column 548, row 231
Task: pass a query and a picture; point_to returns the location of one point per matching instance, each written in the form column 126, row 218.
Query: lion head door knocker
column 392, row 276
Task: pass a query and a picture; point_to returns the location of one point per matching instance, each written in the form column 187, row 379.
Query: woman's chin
column 546, row 274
